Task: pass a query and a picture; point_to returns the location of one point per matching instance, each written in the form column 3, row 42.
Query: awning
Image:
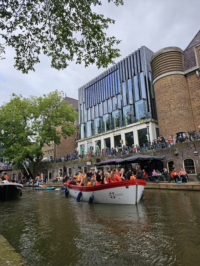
column 140, row 157
column 108, row 162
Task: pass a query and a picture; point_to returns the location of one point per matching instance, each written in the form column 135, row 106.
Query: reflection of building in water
column 116, row 103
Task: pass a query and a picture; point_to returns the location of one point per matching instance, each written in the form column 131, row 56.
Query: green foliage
column 2, row 51
column 26, row 124
column 64, row 30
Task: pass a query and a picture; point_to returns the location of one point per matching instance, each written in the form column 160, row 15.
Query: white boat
column 10, row 191
column 124, row 192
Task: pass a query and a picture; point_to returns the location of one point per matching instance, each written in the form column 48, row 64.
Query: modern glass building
column 114, row 107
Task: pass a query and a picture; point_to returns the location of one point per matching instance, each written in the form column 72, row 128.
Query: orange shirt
column 6, row 177
column 116, row 178
column 183, row 172
column 174, row 174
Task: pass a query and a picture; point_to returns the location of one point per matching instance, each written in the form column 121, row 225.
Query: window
column 107, row 143
column 89, row 146
column 130, row 93
column 88, row 115
column 117, row 141
column 141, row 110
column 116, row 119
column 81, row 113
column 114, row 104
column 143, row 87
column 106, row 87
column 84, row 113
column 170, row 166
column 89, row 125
column 142, row 136
column 113, row 82
column 109, row 106
column 96, row 113
column 127, row 115
column 97, row 126
column 106, row 122
column 100, row 109
column 70, row 171
column 129, row 139
column 98, row 145
column 82, row 149
column 82, row 133
column 92, row 113
column 118, row 82
column 119, row 104
column 124, row 94
column 189, row 166
column 105, row 107
column 151, row 86
column 136, row 91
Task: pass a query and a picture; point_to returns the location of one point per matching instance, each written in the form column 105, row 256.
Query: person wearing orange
column 5, row 176
column 183, row 175
column 112, row 178
column 175, row 175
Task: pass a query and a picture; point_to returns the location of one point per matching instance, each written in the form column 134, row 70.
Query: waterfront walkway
column 8, row 255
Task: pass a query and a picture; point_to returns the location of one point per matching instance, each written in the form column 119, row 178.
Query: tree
column 27, row 124
column 64, row 30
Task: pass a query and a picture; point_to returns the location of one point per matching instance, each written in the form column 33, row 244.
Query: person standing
column 89, row 173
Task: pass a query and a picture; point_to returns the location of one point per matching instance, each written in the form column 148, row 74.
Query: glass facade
column 129, row 139
column 116, row 119
column 141, row 110
column 82, row 149
column 127, row 115
column 119, row 95
column 82, row 131
column 107, row 123
column 89, row 146
column 97, row 126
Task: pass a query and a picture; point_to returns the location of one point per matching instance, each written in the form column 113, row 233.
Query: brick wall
column 173, row 105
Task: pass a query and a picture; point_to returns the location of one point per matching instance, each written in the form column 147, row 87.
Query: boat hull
column 125, row 192
column 10, row 191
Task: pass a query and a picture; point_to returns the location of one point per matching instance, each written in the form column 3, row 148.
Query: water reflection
column 48, row 229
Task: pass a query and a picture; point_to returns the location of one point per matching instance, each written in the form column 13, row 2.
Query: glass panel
column 100, row 109
column 109, row 89
column 109, row 106
column 92, row 113
column 81, row 114
column 89, row 114
column 124, row 93
column 116, row 119
column 86, row 95
column 114, row 103
column 97, row 126
column 141, row 110
column 113, row 82
column 89, row 125
column 127, row 115
column 189, row 166
column 129, row 139
column 142, row 136
column 151, row 86
column 105, row 107
column 118, row 81
column 89, row 146
column 107, row 143
column 119, row 104
column 111, row 85
column 101, row 91
column 136, row 91
column 98, row 145
column 130, row 93
column 82, row 149
column 106, row 85
column 84, row 113
column 90, row 95
column 117, row 141
column 96, row 113
column 106, row 122
column 142, row 83
column 82, row 131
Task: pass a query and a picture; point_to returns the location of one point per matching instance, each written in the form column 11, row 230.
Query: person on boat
column 139, row 174
column 99, row 177
column 5, row 176
column 175, row 175
column 113, row 177
column 106, row 175
column 4, row 181
column 89, row 173
column 122, row 174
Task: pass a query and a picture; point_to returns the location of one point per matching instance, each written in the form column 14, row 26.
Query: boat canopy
column 108, row 162
column 140, row 157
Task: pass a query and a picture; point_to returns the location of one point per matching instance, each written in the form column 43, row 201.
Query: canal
column 48, row 229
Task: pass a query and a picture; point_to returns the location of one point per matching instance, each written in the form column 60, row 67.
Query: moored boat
column 10, row 191
column 124, row 192
column 46, row 188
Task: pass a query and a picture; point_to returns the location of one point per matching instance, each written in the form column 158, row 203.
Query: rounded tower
column 171, row 92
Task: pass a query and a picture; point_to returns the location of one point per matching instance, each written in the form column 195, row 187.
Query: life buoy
column 91, row 199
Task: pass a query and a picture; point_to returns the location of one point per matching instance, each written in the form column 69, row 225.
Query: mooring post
column 136, row 193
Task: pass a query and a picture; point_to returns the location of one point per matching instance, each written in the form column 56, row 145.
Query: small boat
column 10, row 191
column 124, row 192
column 46, row 188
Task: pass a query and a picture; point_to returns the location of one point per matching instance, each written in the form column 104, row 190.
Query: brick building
column 176, row 79
column 67, row 145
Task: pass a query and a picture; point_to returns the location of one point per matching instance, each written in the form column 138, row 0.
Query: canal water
column 48, row 229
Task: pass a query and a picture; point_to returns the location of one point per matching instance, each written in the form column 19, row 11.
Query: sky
column 153, row 23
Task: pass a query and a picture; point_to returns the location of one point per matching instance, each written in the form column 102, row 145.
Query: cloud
column 155, row 24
